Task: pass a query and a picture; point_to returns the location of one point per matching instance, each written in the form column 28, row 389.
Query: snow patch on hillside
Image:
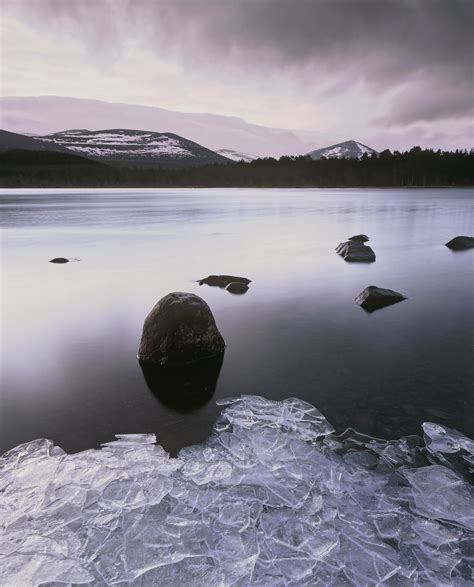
column 121, row 143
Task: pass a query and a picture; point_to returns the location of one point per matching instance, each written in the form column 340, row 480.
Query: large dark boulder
column 180, row 330
column 223, row 280
column 355, row 252
column 461, row 243
column 59, row 260
column 373, row 298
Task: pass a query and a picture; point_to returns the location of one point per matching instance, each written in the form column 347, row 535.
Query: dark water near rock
column 70, row 332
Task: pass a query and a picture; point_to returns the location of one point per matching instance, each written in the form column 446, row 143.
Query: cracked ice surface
column 272, row 498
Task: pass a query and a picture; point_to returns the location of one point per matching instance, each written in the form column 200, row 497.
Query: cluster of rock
column 181, row 331
column 231, row 283
column 354, row 250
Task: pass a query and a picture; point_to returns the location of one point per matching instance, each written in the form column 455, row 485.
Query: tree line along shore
column 414, row 168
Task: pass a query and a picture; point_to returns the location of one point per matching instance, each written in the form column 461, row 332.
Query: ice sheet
column 272, row 498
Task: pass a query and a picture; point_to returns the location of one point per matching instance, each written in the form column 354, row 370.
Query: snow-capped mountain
column 347, row 149
column 237, row 155
column 133, row 147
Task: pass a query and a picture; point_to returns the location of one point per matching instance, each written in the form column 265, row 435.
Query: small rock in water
column 223, row 280
column 373, row 298
column 359, row 238
column 237, row 287
column 59, row 260
column 461, row 243
column 180, row 329
column 355, row 252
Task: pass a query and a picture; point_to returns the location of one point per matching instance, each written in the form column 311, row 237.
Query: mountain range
column 146, row 148
column 118, row 147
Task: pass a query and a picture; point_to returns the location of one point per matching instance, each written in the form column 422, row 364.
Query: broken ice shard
column 273, row 497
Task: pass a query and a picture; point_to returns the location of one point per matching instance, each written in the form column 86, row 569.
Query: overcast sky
column 386, row 72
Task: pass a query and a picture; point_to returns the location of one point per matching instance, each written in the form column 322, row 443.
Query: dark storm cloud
column 450, row 96
column 386, row 44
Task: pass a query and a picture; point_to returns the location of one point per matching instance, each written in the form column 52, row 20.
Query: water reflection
column 183, row 388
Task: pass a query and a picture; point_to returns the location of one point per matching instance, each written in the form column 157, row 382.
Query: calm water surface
column 70, row 333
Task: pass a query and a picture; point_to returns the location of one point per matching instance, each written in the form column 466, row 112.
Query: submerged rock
column 355, row 252
column 59, row 260
column 359, row 238
column 223, row 280
column 180, row 330
column 237, row 287
column 461, row 243
column 373, row 298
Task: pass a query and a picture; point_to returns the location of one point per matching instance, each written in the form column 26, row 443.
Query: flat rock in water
column 359, row 238
column 180, row 330
column 223, row 280
column 373, row 298
column 461, row 243
column 237, row 287
column 59, row 260
column 355, row 252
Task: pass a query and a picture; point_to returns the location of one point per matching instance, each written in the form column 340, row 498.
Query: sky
column 389, row 73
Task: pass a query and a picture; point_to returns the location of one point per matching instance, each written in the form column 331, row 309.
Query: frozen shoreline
column 271, row 498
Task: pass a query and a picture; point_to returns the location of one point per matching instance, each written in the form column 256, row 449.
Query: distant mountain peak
column 348, row 149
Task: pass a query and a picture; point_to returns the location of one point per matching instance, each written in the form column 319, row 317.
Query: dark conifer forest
column 415, row 168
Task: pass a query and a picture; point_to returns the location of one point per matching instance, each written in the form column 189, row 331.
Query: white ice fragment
column 271, row 498
column 442, row 439
column 291, row 414
column 387, row 525
column 131, row 439
column 205, row 472
column 441, row 494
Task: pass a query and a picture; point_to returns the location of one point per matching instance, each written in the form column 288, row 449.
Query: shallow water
column 70, row 332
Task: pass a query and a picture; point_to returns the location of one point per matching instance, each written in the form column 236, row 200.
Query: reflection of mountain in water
column 185, row 387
